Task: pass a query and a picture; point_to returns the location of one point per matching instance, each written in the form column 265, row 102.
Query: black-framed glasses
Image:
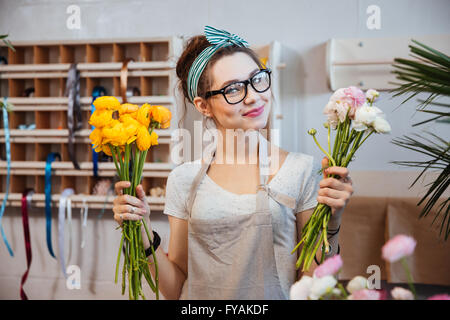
column 237, row 91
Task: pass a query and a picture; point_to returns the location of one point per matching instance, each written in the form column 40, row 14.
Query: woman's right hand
column 127, row 207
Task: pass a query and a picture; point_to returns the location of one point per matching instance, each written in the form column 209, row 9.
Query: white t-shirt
column 298, row 177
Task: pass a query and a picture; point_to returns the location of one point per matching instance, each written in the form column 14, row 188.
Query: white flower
column 399, row 293
column 372, row 94
column 365, row 117
column 357, row 283
column 321, row 285
column 300, row 289
column 381, row 125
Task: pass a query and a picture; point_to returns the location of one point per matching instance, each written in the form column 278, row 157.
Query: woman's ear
column 202, row 106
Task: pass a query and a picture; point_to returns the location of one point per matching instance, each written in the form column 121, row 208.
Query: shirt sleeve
column 308, row 195
column 174, row 203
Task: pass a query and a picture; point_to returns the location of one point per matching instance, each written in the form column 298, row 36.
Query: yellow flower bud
column 154, row 139
column 101, row 118
column 312, row 131
column 128, row 108
column 162, row 115
column 106, row 103
column 143, row 114
column 96, row 137
column 143, row 140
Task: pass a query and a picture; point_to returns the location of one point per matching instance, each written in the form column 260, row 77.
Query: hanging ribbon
column 48, row 198
column 124, row 79
column 84, row 215
column 8, row 172
column 98, row 91
column 63, row 201
column 73, row 109
column 26, row 203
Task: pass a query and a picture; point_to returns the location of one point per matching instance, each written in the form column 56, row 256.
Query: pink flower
column 365, row 294
column 329, row 267
column 442, row 296
column 398, row 247
column 341, row 101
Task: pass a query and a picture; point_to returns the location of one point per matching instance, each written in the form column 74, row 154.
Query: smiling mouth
column 254, row 111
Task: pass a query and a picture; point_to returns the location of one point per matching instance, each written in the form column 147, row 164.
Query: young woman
column 232, row 225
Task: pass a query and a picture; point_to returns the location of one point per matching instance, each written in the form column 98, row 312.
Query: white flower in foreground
column 322, row 285
column 300, row 289
column 381, row 125
column 399, row 293
column 357, row 283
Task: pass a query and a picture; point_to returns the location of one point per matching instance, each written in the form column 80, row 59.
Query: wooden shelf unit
column 44, row 67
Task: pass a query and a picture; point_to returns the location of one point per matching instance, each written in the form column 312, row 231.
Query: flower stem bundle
column 353, row 116
column 126, row 132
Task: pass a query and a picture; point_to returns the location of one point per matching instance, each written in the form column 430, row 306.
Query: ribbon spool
column 84, row 215
column 26, row 203
column 48, row 199
column 8, row 172
column 64, row 201
column 3, row 60
column 73, row 109
column 124, row 79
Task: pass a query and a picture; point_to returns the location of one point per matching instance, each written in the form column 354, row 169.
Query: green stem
column 154, row 260
column 320, row 147
column 118, row 258
column 410, row 278
column 114, row 156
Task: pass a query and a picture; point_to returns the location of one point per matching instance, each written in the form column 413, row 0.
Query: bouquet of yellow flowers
column 126, row 132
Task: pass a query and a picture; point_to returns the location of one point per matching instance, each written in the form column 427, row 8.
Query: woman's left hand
column 335, row 192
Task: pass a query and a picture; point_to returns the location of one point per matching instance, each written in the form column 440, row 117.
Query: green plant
column 428, row 73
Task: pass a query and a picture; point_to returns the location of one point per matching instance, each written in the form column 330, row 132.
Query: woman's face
column 237, row 67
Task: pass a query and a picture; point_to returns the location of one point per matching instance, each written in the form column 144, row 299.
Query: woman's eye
column 232, row 89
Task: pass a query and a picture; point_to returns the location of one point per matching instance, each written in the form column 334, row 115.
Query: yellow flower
column 154, row 139
column 101, row 118
column 106, row 103
column 96, row 137
column 114, row 133
column 162, row 115
column 264, row 61
column 143, row 140
column 128, row 108
column 105, row 148
column 143, row 114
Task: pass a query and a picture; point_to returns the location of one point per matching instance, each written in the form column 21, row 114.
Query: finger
column 141, row 193
column 325, row 164
column 127, row 199
column 125, row 208
column 127, row 216
column 333, row 184
column 332, row 193
column 336, row 204
column 340, row 171
column 119, row 186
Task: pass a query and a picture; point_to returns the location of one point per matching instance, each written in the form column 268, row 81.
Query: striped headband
column 218, row 39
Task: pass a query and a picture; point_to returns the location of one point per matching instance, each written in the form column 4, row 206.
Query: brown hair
column 194, row 46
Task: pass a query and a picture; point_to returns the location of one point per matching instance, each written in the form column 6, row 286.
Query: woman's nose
column 252, row 95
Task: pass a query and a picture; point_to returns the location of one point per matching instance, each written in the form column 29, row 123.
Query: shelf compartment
column 39, row 186
column 23, row 151
column 20, row 183
column 78, row 183
column 159, row 154
column 51, row 119
column 154, row 86
column 22, row 55
column 18, row 87
column 46, row 54
column 17, row 118
column 83, row 152
column 154, row 51
column 42, row 150
column 123, row 51
column 152, row 182
column 99, row 53
column 49, row 87
column 91, row 83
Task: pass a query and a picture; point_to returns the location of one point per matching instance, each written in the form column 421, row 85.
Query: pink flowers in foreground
column 398, row 247
column 329, row 267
